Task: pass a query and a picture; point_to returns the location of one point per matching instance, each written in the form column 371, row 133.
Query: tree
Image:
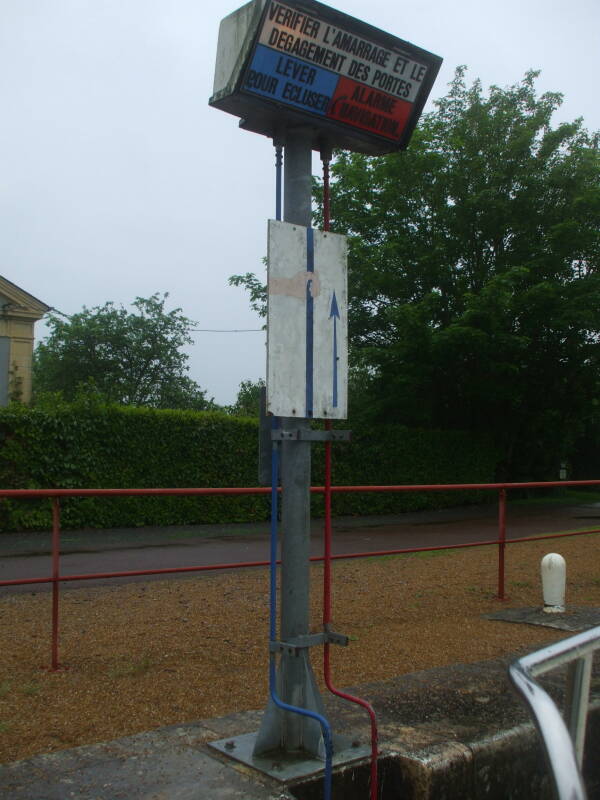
column 247, row 403
column 474, row 273
column 131, row 358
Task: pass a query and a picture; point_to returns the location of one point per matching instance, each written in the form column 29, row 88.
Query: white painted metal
column 579, row 679
column 236, row 33
column 288, row 334
column 564, row 745
column 554, row 577
column 320, row 36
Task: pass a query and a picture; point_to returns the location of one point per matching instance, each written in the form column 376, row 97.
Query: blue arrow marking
column 335, row 313
column 310, row 267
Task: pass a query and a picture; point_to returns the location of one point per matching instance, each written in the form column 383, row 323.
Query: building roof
column 14, row 300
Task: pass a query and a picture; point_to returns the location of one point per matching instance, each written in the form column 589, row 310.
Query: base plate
column 288, row 767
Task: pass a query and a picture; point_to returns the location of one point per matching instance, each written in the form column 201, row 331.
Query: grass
column 418, row 554
column 33, row 688
column 560, row 497
column 131, row 669
column 4, row 727
column 571, row 530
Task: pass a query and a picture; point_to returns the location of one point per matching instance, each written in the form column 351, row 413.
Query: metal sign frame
column 307, row 323
column 356, row 86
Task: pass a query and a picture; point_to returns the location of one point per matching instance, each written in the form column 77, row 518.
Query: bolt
column 230, row 745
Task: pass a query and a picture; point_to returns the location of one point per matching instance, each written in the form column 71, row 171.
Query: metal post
column 296, row 683
column 55, row 580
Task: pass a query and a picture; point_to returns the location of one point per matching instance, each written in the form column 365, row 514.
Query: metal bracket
column 279, row 435
column 294, row 646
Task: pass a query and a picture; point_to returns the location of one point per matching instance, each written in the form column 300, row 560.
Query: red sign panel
column 374, row 111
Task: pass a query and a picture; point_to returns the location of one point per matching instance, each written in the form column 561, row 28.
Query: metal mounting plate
column 300, row 435
column 288, row 767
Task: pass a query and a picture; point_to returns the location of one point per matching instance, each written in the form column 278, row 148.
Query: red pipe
column 242, row 490
column 246, row 564
column 441, row 487
column 327, row 563
column 334, row 557
column 55, row 580
column 550, row 536
column 228, row 490
column 501, row 541
column 234, row 565
column 405, row 550
column 164, row 571
column 327, row 622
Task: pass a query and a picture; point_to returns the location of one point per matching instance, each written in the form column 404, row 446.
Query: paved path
column 100, row 551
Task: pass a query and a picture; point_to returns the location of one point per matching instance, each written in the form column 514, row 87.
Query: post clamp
column 295, row 645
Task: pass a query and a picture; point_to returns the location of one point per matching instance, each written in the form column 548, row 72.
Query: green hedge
column 116, row 447
column 396, row 455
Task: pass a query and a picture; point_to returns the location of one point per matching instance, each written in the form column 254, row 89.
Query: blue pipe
column 325, row 726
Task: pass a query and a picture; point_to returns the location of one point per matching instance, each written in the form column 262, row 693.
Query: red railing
column 56, row 494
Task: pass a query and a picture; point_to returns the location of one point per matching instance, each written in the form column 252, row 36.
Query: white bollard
column 554, row 578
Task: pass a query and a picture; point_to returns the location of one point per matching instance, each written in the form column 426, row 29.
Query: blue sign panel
column 291, row 81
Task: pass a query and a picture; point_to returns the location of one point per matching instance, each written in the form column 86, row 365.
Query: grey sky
column 118, row 180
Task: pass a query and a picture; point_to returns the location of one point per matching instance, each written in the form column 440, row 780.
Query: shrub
column 96, row 446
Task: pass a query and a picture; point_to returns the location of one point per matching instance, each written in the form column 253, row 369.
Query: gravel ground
column 141, row 656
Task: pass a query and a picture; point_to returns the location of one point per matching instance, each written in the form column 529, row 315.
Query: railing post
column 55, row 579
column 501, row 541
column 576, row 702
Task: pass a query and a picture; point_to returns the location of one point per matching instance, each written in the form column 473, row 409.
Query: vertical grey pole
column 295, row 476
column 297, row 180
column 296, row 683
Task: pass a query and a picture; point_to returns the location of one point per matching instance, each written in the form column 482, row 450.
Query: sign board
column 301, row 62
column 307, row 323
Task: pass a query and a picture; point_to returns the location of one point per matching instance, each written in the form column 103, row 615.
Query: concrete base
column 574, row 619
column 457, row 733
